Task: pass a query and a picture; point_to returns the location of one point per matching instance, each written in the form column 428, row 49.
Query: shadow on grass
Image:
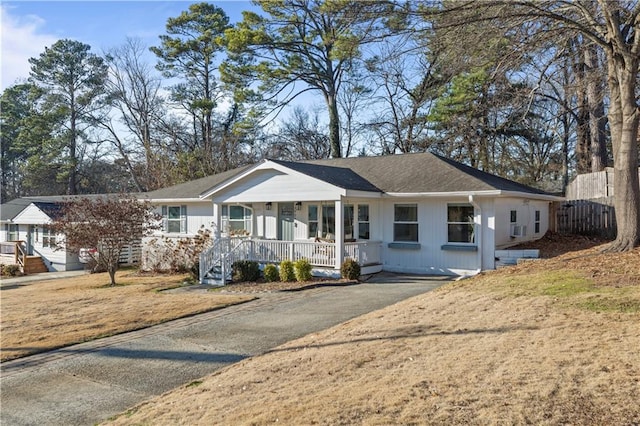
column 413, row 333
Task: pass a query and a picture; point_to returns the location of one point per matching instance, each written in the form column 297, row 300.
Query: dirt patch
column 514, row 346
column 50, row 314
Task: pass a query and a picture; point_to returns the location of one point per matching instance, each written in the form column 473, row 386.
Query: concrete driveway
column 87, row 383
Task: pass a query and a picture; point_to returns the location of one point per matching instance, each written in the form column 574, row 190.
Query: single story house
column 412, row 213
column 26, row 239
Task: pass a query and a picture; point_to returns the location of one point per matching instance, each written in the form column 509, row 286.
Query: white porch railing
column 225, row 251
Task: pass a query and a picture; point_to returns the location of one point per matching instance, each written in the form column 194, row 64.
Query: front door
column 286, row 222
column 30, row 234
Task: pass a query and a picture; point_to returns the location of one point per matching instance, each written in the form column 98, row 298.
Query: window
column 328, row 222
column 514, row 216
column 12, row 232
column 48, row 237
column 460, row 224
column 174, row 219
column 348, row 222
column 405, row 222
column 363, row 221
column 236, row 220
column 312, row 220
column 536, row 224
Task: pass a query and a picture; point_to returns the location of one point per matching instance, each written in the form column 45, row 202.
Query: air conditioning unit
column 518, row 230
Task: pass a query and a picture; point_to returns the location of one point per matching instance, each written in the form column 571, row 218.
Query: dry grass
column 52, row 314
column 524, row 345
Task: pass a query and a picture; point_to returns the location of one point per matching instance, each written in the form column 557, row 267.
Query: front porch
column 15, row 253
column 215, row 263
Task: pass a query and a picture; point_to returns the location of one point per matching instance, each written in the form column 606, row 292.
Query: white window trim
column 182, row 220
column 472, row 221
column 416, row 222
column 247, row 219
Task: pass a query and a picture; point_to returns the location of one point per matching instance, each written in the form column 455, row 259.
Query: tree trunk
column 583, row 142
column 623, row 122
column 334, row 126
column 112, row 274
column 595, row 101
column 72, row 188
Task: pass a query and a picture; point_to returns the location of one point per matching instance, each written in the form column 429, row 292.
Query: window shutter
column 183, row 219
column 165, row 219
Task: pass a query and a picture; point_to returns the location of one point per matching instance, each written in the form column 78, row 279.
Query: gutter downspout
column 478, row 232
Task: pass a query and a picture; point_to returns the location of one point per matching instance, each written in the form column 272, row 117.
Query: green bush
column 287, row 272
column 271, row 273
column 350, row 269
column 302, row 270
column 245, row 270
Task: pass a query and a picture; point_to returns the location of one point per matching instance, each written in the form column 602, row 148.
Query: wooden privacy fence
column 590, row 186
column 586, row 217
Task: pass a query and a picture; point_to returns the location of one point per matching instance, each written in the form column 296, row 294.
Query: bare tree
column 106, row 224
column 134, row 91
column 301, row 137
column 615, row 27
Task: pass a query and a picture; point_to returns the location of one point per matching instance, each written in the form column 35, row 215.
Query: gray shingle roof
column 12, row 208
column 194, row 188
column 424, row 172
column 406, row 173
column 338, row 176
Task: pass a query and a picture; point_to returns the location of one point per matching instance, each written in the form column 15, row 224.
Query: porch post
column 339, row 225
column 217, row 220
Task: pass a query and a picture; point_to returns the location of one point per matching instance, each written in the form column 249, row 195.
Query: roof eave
column 174, row 200
column 486, row 193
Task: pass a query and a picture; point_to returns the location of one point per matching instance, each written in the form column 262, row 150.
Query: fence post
column 291, row 251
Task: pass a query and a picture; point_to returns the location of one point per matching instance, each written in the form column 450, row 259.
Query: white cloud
column 20, row 40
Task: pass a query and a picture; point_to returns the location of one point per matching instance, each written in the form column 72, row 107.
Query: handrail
column 213, row 255
column 225, row 251
column 18, row 251
column 21, row 255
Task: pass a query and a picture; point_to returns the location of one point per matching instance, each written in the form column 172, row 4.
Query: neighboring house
column 412, row 213
column 26, row 238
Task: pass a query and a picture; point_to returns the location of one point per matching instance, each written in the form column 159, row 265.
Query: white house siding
column 525, row 213
column 431, row 258
column 199, row 215
column 272, row 185
column 32, row 215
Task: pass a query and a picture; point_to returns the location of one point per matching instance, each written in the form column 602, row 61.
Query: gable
column 33, row 215
column 273, row 184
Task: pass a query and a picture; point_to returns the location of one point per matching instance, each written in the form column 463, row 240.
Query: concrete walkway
column 87, row 383
column 32, row 278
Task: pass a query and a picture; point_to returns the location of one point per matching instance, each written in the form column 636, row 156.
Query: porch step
column 513, row 257
column 34, row 265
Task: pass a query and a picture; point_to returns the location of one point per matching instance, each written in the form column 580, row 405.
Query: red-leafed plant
column 107, row 224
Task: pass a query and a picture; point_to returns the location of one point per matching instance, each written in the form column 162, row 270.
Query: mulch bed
column 265, row 287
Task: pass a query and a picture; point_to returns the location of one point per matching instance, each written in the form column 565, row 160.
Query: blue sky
column 28, row 27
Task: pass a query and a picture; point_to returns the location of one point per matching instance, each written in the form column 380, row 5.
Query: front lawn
column 50, row 314
column 551, row 342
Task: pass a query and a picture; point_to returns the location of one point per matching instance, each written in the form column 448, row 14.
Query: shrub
column 287, row 272
column 271, row 273
column 302, row 270
column 245, row 270
column 10, row 270
column 350, row 269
